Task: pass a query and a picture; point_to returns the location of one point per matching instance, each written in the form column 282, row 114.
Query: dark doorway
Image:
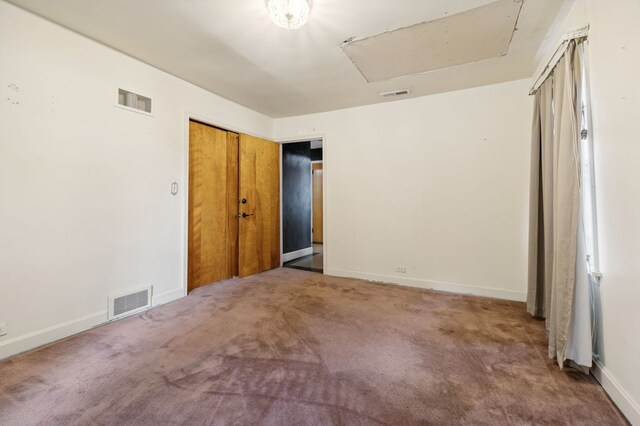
column 299, row 222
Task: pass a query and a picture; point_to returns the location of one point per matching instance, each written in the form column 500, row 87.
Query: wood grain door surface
column 259, row 231
column 213, row 205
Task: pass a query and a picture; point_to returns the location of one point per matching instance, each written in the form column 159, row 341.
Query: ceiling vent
column 395, row 93
column 129, row 303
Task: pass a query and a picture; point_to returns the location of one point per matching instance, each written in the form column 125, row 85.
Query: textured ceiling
column 232, row 48
column 481, row 33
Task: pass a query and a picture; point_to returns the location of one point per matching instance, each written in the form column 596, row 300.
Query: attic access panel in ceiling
column 476, row 34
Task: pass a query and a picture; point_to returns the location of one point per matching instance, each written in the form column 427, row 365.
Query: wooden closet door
column 213, row 205
column 259, row 233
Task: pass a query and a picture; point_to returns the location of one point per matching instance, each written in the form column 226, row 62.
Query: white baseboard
column 47, row 335
column 624, row 401
column 168, row 296
column 498, row 293
column 37, row 338
column 286, row 257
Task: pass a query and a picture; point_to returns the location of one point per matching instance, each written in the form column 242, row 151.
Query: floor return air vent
column 129, row 303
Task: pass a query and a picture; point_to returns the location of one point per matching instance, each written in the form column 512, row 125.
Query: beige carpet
column 292, row 347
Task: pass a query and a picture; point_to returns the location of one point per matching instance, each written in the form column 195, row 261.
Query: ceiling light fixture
column 289, row 14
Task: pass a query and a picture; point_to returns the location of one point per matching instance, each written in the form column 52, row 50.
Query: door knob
column 246, row 215
column 243, row 201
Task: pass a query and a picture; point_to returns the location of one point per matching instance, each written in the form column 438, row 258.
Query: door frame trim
column 325, row 221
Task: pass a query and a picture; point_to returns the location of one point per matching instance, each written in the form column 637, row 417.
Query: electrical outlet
column 3, row 329
column 401, row 269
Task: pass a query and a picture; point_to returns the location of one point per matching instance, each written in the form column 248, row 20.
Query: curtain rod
column 579, row 33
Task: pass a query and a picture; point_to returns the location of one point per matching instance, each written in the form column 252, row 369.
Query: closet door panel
column 232, row 203
column 259, row 221
column 213, row 177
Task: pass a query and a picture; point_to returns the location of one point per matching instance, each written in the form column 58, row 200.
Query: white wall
column 614, row 60
column 438, row 185
column 85, row 202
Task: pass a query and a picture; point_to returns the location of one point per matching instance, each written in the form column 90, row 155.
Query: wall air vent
column 129, row 303
column 395, row 93
column 134, row 101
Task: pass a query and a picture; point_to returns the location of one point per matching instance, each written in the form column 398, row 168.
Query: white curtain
column 579, row 345
column 558, row 275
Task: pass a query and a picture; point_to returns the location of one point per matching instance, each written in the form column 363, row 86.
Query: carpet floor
column 292, row 347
